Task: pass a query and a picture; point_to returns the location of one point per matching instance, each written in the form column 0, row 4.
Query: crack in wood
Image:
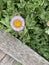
column 3, row 58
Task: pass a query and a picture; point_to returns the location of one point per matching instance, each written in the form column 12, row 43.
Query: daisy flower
column 48, row 23
column 17, row 23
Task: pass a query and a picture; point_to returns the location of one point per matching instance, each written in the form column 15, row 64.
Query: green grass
column 36, row 15
column 19, row 64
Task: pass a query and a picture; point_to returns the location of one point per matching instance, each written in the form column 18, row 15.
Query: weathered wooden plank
column 8, row 61
column 2, row 54
column 20, row 52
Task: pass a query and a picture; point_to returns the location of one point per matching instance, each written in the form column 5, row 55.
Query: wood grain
column 20, row 52
column 2, row 54
column 7, row 60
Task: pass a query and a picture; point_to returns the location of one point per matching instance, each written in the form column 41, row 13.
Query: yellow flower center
column 17, row 23
column 48, row 23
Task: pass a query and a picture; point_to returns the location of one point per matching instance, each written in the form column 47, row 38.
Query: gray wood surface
column 8, row 61
column 2, row 55
column 20, row 52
